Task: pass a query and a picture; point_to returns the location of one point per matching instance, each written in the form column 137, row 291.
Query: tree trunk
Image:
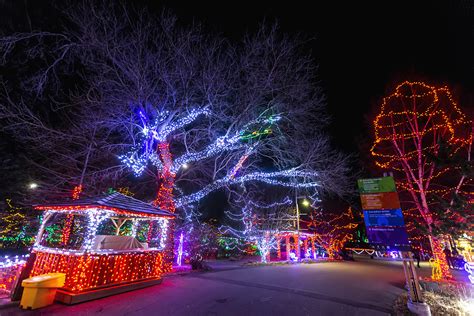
column 165, row 201
column 440, row 256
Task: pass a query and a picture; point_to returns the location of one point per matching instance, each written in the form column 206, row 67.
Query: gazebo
column 101, row 265
column 291, row 238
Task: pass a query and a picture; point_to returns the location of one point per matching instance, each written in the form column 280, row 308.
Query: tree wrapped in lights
column 13, row 223
column 332, row 230
column 191, row 113
column 261, row 224
column 410, row 129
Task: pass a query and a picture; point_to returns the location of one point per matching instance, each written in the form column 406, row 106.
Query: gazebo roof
column 116, row 202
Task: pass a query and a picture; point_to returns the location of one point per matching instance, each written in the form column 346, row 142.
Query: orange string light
column 90, row 271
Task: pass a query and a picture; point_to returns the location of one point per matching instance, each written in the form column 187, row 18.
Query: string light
column 139, row 157
column 70, row 217
column 164, row 198
column 88, row 271
column 440, row 262
column 164, row 230
column 280, row 178
column 80, row 209
column 180, row 249
column 133, row 231
column 331, row 231
column 228, row 143
column 9, row 271
column 95, row 218
column 264, row 239
column 76, row 192
column 241, row 161
column 14, row 218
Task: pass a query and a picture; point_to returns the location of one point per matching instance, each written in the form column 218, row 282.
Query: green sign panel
column 376, row 185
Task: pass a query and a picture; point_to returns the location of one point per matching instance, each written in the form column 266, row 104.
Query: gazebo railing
column 91, row 270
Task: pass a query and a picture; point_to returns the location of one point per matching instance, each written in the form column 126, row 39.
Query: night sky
column 363, row 49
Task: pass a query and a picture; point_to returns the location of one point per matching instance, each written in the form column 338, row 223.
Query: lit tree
column 411, row 125
column 261, row 224
column 332, row 230
column 453, row 209
column 13, row 224
column 187, row 112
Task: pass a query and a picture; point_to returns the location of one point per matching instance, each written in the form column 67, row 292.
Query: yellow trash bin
column 39, row 291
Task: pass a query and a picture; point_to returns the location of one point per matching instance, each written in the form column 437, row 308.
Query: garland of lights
column 13, row 219
column 10, row 269
column 333, row 233
column 94, row 220
column 180, row 249
column 89, row 271
column 164, row 198
column 66, row 232
column 164, row 232
column 156, row 132
column 133, row 231
column 241, row 161
column 273, row 178
column 76, row 192
column 440, row 264
column 46, row 214
column 154, row 148
column 228, row 143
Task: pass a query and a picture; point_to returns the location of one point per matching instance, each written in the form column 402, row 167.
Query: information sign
column 380, row 201
column 376, row 185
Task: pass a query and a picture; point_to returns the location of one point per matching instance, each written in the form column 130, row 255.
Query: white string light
column 273, row 178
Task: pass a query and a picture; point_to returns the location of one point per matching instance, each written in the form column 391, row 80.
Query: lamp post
column 305, row 203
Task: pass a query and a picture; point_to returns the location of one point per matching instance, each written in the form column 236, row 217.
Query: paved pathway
column 364, row 287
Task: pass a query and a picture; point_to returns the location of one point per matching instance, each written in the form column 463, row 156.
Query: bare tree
column 260, row 223
column 332, row 229
column 190, row 112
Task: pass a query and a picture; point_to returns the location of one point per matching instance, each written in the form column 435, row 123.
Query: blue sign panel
column 395, row 236
column 384, row 218
column 386, row 228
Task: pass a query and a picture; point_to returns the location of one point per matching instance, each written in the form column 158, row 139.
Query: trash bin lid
column 44, row 277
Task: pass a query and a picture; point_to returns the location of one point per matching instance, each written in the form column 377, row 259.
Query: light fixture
column 33, row 185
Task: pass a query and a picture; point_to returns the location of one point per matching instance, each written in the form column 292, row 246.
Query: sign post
column 386, row 230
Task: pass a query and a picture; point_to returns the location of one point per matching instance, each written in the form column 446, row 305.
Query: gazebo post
column 118, row 224
column 287, row 239
column 278, row 248
column 313, row 248
column 150, row 232
column 94, row 220
column 47, row 215
column 296, row 245
column 305, row 245
column 134, row 227
column 66, row 231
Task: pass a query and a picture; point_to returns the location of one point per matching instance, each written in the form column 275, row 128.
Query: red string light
column 90, row 271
